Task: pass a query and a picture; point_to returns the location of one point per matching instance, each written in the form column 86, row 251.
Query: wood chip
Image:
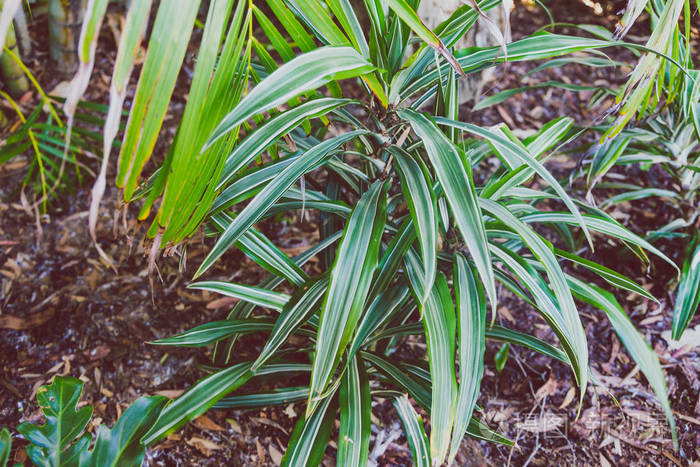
column 275, row 455
column 548, row 389
column 221, row 303
column 170, row 393
column 20, row 324
column 206, row 423
column 203, row 445
column 505, row 312
column 570, row 395
column 261, row 451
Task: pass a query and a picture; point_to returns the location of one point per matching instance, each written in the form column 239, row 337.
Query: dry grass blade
column 129, row 44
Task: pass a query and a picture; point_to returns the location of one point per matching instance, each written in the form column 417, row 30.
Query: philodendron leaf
column 121, row 446
column 5, row 446
column 351, row 275
column 52, row 443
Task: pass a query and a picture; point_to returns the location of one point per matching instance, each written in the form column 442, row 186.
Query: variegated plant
column 411, row 242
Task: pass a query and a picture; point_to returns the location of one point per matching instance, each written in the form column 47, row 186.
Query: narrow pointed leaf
column 598, row 224
column 500, row 333
column 355, row 263
column 255, row 210
column 264, row 399
column 272, row 130
column 255, row 295
column 439, row 320
column 410, row 17
column 155, row 87
column 306, row 72
column 456, row 181
column 569, row 313
column 611, row 277
column 197, row 400
column 414, row 431
column 633, row 341
column 293, row 315
column 471, row 314
column 513, row 150
column 310, row 436
column 416, row 186
column 215, row 331
column 688, row 292
column 355, row 412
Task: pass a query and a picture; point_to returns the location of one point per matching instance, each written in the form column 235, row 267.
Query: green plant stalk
column 65, row 22
column 12, row 74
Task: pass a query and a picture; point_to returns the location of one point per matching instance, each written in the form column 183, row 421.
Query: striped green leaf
column 416, row 187
column 399, row 378
column 633, row 341
column 456, row 181
column 546, row 305
column 378, row 313
column 414, row 431
column 264, row 399
column 197, row 400
column 344, row 12
column 409, row 16
column 500, row 333
column 439, row 320
column 266, row 254
column 355, row 263
column 316, row 18
column 271, row 193
column 304, row 73
column 214, row 331
column 355, row 412
column 569, row 313
column 515, row 151
column 611, row 277
column 688, row 292
column 598, row 224
column 471, row 315
column 255, row 295
column 310, row 436
column 271, row 131
column 306, row 302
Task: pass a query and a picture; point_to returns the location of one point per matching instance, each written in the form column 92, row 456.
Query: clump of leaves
column 60, row 441
column 411, row 241
column 667, row 139
column 416, row 229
